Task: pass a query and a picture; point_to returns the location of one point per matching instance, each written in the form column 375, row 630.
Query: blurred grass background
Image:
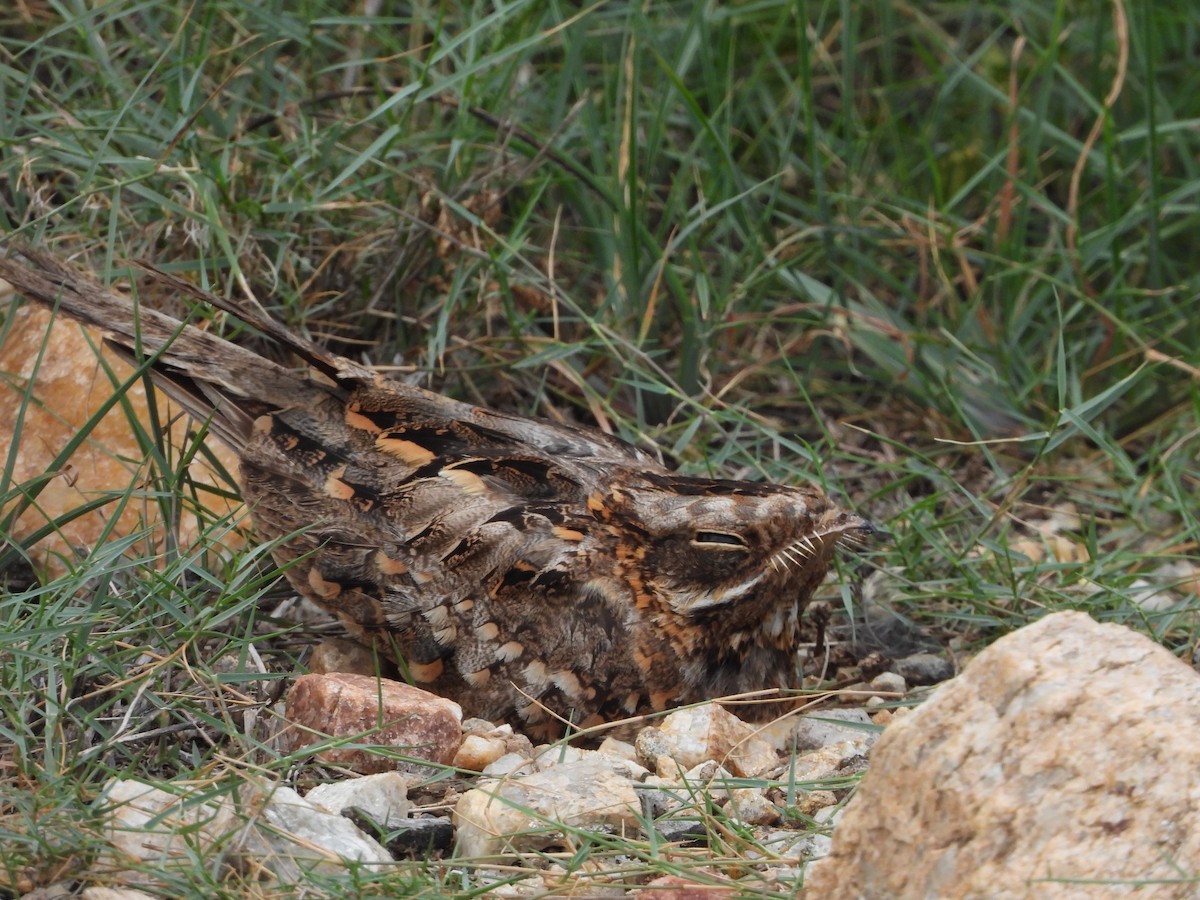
column 938, row 257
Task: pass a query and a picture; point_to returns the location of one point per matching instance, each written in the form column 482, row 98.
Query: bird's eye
column 719, row 539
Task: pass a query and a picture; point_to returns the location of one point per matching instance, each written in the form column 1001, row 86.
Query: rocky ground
column 1060, row 763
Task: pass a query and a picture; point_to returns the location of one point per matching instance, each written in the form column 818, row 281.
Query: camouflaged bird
column 533, row 572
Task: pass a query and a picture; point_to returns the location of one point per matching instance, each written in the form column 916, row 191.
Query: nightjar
column 534, row 572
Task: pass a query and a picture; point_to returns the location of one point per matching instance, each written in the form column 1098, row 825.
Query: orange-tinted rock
column 71, row 385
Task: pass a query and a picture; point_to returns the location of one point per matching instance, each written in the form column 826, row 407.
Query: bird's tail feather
column 214, row 380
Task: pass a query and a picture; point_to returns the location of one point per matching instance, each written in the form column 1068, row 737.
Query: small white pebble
column 508, row 764
column 889, row 682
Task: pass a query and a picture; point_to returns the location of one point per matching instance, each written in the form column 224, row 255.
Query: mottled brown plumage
column 521, row 567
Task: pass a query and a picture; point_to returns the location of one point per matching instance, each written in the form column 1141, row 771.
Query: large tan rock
column 1067, row 751
column 70, row 386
